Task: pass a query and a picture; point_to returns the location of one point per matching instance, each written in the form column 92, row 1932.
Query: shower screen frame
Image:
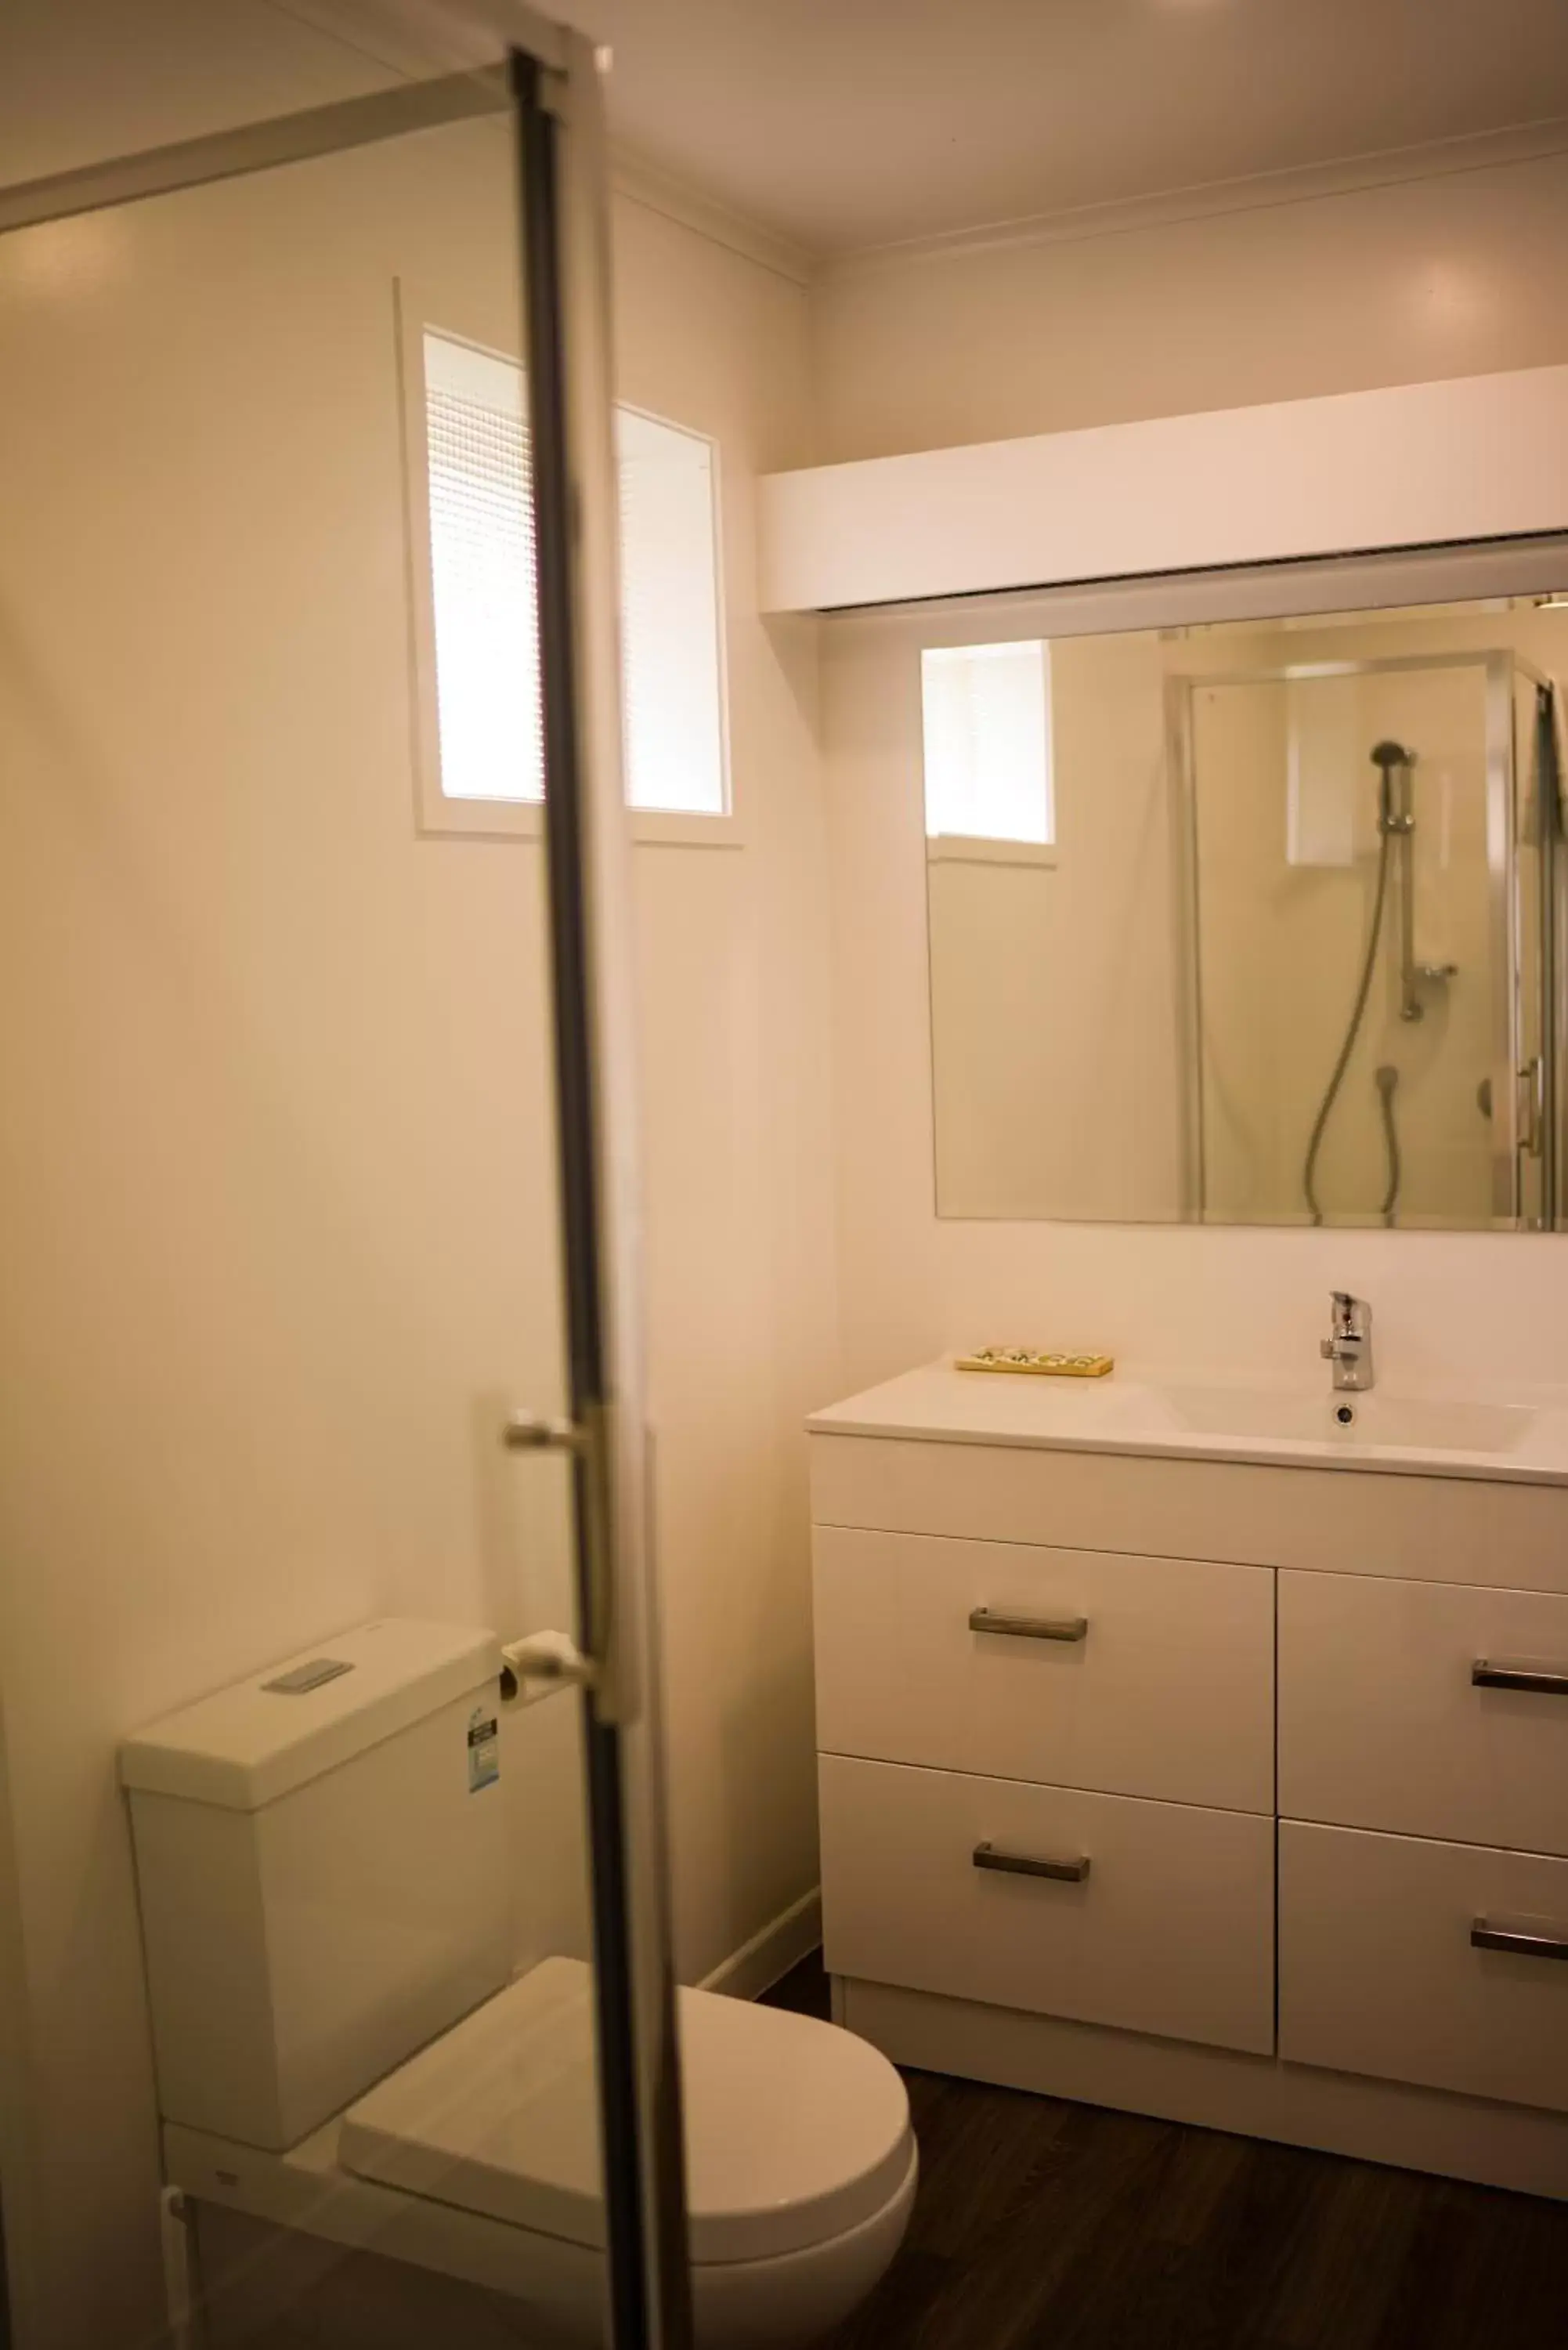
column 1498, row 670
column 1539, row 892
column 507, row 60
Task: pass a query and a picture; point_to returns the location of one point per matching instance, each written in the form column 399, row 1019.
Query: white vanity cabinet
column 1069, row 1668
column 1051, row 1899
column 1228, row 1790
column 1430, row 1710
column 1379, row 1973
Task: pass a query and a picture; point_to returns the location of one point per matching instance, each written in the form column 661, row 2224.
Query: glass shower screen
column 325, row 1163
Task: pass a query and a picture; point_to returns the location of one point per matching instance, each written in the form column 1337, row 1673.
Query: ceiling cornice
column 390, row 31
column 1480, row 152
column 643, row 183
column 395, row 34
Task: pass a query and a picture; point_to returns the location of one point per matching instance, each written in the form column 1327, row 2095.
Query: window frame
column 984, row 848
column 437, row 815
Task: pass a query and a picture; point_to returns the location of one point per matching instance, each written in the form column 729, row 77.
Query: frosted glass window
column 670, row 618
column 1326, row 766
column 482, row 588
column 482, row 575
column 987, row 719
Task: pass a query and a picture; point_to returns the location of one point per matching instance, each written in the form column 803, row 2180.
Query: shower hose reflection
column 1387, row 757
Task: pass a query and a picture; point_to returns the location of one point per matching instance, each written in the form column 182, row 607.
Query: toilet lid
column 796, row 2132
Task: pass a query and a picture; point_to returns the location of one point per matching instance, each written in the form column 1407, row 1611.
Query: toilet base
column 260, row 2286
column 290, row 2254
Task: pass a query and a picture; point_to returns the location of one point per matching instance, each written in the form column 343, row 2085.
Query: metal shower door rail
column 1511, row 1131
column 1550, row 782
column 564, row 190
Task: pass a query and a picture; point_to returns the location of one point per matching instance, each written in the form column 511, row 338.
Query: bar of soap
column 1041, row 1365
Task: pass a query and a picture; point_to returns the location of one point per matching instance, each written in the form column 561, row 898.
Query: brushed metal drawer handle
column 1546, row 1680
column 1029, row 1627
column 1514, row 1937
column 1023, row 1864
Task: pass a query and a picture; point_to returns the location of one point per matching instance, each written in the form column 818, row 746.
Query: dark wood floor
column 1043, row 2225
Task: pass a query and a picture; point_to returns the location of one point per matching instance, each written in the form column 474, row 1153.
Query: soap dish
column 1041, row 1365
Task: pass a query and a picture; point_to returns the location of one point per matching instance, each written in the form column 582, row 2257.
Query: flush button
column 301, row 1678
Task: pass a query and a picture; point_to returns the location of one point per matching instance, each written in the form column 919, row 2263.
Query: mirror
column 1249, row 922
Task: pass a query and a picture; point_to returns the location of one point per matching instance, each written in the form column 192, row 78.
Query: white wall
column 1449, row 276
column 735, row 948
column 1460, row 273
column 277, row 1231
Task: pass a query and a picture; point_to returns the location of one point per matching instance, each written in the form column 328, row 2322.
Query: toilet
column 321, row 1863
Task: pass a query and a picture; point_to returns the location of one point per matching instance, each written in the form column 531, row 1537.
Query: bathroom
column 282, row 1234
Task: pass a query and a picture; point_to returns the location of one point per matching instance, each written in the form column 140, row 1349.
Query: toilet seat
column 795, row 2133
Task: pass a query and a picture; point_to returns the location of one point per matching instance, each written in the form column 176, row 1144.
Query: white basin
column 1168, row 1416
column 1405, row 1423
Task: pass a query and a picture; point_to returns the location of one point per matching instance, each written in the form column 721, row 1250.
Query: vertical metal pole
column 567, row 374
column 1549, row 834
column 1181, row 814
column 1403, row 817
column 1505, row 929
column 1558, row 742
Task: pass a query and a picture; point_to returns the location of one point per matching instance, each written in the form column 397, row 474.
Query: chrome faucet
column 1349, row 1349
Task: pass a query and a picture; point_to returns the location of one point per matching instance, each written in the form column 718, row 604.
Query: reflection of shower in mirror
column 1377, row 890
column 1294, row 946
column 1395, row 839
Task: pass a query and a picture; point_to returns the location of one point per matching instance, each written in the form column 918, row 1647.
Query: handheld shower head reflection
column 1392, row 759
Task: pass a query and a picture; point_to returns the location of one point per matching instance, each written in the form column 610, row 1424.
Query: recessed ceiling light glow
column 1452, row 295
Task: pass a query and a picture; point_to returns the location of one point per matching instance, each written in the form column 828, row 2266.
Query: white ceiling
column 844, row 123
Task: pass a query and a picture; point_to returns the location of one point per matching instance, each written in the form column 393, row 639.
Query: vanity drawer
column 1170, row 1931
column 1378, row 1973
column 1168, row 1691
column 1382, row 1724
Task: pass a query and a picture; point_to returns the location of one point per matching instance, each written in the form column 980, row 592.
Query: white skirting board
column 768, row 1957
column 1518, row 2146
column 1418, row 464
